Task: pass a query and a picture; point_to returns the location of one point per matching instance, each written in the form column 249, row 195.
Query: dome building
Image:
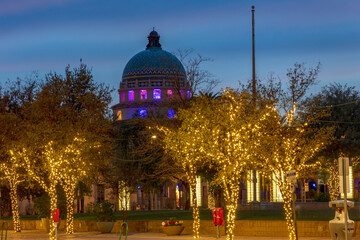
column 151, row 77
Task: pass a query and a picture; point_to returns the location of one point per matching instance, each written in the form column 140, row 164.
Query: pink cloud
column 12, row 7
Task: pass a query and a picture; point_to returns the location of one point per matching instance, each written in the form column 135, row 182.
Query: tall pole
column 254, row 91
column 253, row 54
column 344, row 167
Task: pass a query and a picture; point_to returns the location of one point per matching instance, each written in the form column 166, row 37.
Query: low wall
column 242, row 228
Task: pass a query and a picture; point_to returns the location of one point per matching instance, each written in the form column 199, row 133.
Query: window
column 188, row 94
column 143, row 94
column 119, row 115
column 122, row 97
column 131, row 95
column 171, row 113
column 157, row 94
column 170, row 93
column 156, row 84
column 131, row 84
column 100, row 193
column 143, row 113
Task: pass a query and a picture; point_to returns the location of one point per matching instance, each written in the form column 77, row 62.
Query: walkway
column 38, row 235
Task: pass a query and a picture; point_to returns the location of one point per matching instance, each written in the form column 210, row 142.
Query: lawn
column 276, row 214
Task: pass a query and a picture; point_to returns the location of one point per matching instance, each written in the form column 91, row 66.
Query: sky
column 46, row 35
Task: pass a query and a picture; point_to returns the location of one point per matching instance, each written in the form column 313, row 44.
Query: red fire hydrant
column 218, row 219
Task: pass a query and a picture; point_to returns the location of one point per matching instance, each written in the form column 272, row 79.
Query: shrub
column 104, row 211
column 322, row 197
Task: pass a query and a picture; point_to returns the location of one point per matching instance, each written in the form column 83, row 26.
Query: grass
column 275, row 214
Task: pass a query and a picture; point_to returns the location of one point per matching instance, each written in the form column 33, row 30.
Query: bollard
column 126, row 230
column 2, row 230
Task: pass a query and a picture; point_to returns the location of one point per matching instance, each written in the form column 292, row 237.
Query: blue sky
column 46, row 35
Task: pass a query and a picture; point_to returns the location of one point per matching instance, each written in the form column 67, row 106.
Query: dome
column 154, row 63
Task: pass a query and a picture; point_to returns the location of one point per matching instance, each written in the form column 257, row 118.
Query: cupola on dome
column 154, row 63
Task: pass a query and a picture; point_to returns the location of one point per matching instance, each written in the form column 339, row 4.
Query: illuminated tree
column 13, row 178
column 45, row 171
column 343, row 103
column 72, row 168
column 185, row 144
column 222, row 134
column 235, row 133
column 14, row 99
column 292, row 139
column 71, row 117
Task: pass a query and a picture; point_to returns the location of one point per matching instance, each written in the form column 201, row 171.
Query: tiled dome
column 154, row 63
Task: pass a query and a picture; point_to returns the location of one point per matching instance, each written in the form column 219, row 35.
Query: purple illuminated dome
column 150, row 77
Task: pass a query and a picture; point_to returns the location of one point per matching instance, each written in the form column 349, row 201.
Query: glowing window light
column 143, row 94
column 249, row 186
column 119, row 115
column 198, row 192
column 171, row 113
column 131, row 95
column 350, row 192
column 177, row 192
column 143, row 113
column 277, row 197
column 122, row 97
column 258, row 186
column 124, row 196
column 188, row 94
column 170, row 93
column 157, row 94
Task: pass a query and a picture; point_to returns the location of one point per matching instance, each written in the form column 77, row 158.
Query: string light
column 291, row 144
column 12, row 176
column 47, row 176
column 72, row 168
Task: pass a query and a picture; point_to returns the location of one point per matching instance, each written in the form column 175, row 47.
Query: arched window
column 170, row 93
column 157, row 94
column 143, row 113
column 119, row 115
column 143, row 94
column 131, row 95
column 171, row 113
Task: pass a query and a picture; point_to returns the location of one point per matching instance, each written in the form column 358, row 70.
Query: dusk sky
column 47, row 35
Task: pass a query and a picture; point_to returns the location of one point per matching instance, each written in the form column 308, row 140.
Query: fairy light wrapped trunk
column 12, row 176
column 47, row 175
column 185, row 144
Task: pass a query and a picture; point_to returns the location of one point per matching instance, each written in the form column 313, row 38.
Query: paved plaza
column 38, row 235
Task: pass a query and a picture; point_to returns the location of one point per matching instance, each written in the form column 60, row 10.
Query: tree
column 13, row 101
column 235, row 132
column 70, row 114
column 343, row 102
column 221, row 134
column 292, row 141
column 199, row 80
column 184, row 145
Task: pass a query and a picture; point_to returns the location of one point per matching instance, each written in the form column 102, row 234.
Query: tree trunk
column 289, row 211
column 69, row 188
column 15, row 205
column 196, row 218
column 53, row 205
column 231, row 194
column 333, row 183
